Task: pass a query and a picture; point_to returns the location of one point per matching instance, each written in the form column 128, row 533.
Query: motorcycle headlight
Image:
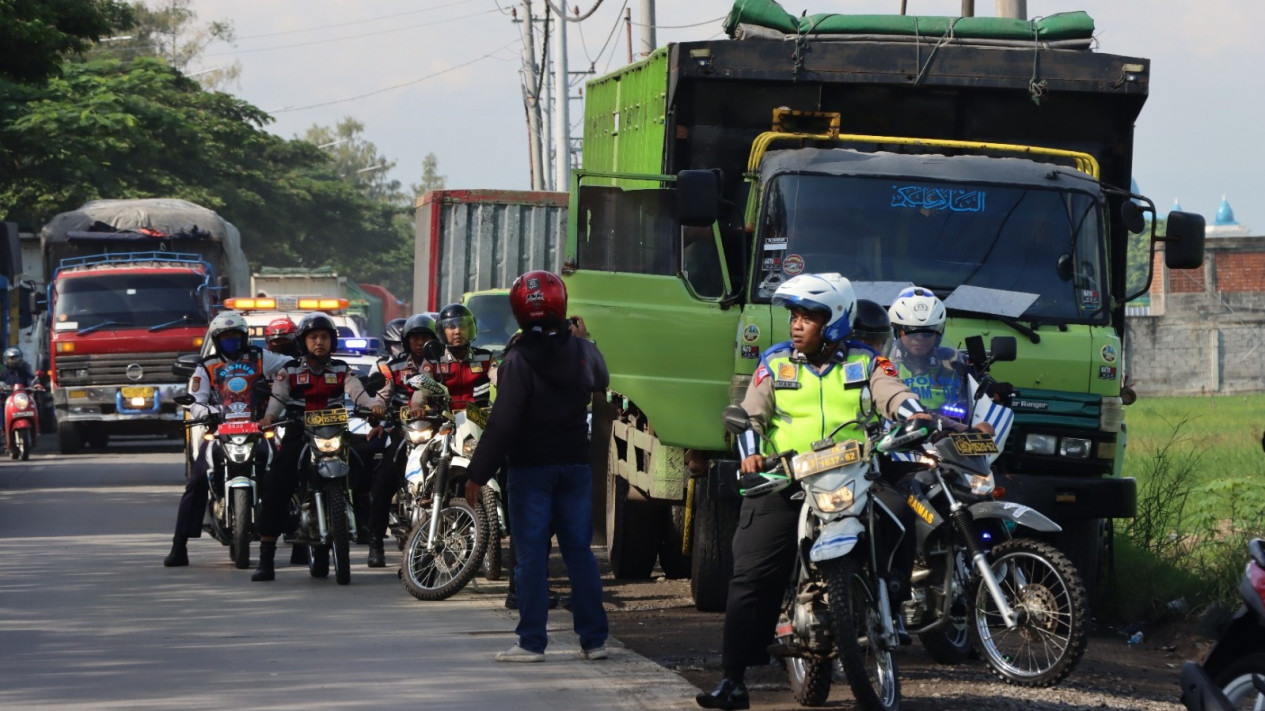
column 982, row 485
column 467, row 447
column 419, row 436
column 21, row 401
column 238, row 453
column 237, row 439
column 327, row 446
column 833, row 501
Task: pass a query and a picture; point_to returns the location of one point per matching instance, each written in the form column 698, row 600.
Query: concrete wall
column 1205, row 330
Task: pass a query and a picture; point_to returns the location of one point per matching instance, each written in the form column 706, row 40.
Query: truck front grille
column 115, row 369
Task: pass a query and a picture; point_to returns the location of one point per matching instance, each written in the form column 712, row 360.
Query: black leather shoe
column 728, row 695
column 178, row 557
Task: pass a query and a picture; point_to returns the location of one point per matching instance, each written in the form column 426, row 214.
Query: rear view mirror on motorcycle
column 185, row 399
column 736, row 420
column 185, row 365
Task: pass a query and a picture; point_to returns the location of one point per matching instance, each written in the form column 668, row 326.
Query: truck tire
column 676, row 564
column 1083, row 543
column 632, row 531
column 712, row 565
column 97, row 438
column 68, row 441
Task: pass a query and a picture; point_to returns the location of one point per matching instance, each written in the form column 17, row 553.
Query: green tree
column 37, row 35
column 431, row 179
column 169, row 29
column 357, row 159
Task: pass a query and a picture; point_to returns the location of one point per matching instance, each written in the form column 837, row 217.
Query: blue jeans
column 555, row 498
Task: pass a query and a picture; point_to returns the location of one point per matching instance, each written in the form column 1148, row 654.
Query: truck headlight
column 1076, row 448
column 832, row 501
column 1040, row 444
column 327, row 446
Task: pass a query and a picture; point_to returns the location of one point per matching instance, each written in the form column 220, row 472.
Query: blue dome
column 1177, row 206
column 1225, row 215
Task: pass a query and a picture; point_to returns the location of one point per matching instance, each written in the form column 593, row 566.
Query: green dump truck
column 985, row 158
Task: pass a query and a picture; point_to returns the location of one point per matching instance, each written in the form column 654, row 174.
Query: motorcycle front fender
column 413, row 467
column 332, row 468
column 836, row 539
column 240, row 482
column 1011, row 511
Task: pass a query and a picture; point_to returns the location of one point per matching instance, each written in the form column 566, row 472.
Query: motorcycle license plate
column 142, row 392
column 23, row 413
column 973, row 444
column 477, row 415
column 321, row 418
column 842, row 454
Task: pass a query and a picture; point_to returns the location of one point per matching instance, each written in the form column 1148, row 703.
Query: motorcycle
column 837, row 603
column 21, row 421
column 1019, row 601
column 1199, row 693
column 449, row 538
column 1240, row 651
column 322, row 503
column 239, row 455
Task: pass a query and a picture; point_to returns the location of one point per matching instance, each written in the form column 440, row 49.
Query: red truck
column 133, row 285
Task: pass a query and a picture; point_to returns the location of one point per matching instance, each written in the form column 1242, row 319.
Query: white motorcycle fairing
column 836, row 539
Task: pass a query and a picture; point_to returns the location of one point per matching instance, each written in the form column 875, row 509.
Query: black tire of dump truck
column 675, row 562
column 632, row 530
column 712, row 565
column 68, row 439
column 1083, row 542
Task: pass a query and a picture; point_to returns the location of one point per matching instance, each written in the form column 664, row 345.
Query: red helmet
column 279, row 328
column 538, row 296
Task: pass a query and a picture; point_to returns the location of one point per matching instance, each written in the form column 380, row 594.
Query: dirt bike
column 837, row 604
column 1019, row 601
column 322, row 502
column 1240, row 650
column 449, row 538
column 21, row 420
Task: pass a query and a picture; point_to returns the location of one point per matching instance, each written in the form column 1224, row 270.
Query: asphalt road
column 89, row 618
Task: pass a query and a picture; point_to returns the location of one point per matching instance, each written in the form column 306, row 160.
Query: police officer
column 801, row 390
column 918, row 317
column 463, row 368
column 320, row 382
column 279, row 337
column 872, row 327
column 418, row 332
column 393, row 338
column 224, row 384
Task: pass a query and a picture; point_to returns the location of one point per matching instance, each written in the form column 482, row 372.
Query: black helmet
column 872, row 325
column 393, row 334
column 418, row 323
column 460, row 316
column 315, row 322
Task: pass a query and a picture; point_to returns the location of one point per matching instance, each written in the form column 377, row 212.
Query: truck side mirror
column 185, row 365
column 736, row 420
column 1184, row 241
column 1132, row 217
column 1003, row 349
column 697, row 197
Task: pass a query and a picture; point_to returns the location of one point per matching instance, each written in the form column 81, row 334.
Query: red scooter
column 21, row 421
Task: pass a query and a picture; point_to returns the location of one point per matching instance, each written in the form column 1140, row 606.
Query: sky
column 443, row 77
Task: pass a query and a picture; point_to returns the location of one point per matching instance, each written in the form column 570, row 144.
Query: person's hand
column 472, row 494
column 578, row 328
column 920, row 416
column 753, row 464
column 377, row 432
column 265, row 421
column 986, row 429
column 378, row 409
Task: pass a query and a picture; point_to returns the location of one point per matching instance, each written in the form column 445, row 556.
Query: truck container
column 473, row 240
column 985, row 153
column 275, row 282
column 132, row 285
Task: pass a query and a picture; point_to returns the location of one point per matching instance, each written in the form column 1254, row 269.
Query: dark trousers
column 764, row 553
column 387, row 477
column 193, row 502
column 279, row 484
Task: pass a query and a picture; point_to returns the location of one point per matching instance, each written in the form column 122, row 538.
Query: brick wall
column 1240, row 271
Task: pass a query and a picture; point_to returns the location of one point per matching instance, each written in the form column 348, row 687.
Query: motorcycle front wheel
column 442, row 571
column 1048, row 599
column 24, row 440
column 1236, row 682
column 489, row 504
column 858, row 627
column 239, row 544
column 335, row 496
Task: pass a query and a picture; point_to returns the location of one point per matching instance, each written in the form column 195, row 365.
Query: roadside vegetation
column 1201, row 498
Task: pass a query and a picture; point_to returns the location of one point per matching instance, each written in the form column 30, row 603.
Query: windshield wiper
column 1021, row 327
column 98, row 326
column 180, row 321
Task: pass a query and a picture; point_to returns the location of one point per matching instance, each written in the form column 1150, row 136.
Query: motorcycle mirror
column 975, row 351
column 185, row 365
column 185, row 399
column 1003, row 348
column 736, row 419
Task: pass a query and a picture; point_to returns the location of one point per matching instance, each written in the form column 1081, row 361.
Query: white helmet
column 828, row 293
column 917, row 309
column 223, row 323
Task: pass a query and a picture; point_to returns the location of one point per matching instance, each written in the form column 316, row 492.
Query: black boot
column 728, row 695
column 377, row 558
column 179, row 555
column 267, row 551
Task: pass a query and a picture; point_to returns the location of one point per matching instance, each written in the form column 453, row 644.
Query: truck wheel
column 97, row 439
column 68, row 441
column 712, row 565
column 632, row 531
column 1083, row 542
column 674, row 562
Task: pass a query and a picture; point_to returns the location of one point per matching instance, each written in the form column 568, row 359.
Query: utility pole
column 531, row 101
column 561, row 114
column 1013, row 8
column 628, row 31
column 968, row 8
column 648, row 42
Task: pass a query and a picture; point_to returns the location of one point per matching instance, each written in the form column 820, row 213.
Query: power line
column 396, row 86
column 681, row 27
column 355, row 22
column 618, row 19
column 351, row 37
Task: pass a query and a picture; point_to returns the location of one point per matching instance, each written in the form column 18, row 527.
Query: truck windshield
column 1047, row 242
column 130, row 300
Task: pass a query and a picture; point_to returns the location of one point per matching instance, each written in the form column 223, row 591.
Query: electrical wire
column 578, row 18
column 351, row 37
column 681, row 27
column 355, row 22
column 397, row 86
column 618, row 19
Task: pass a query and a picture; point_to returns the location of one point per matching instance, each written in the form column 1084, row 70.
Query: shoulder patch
column 886, row 366
column 853, row 372
column 761, row 374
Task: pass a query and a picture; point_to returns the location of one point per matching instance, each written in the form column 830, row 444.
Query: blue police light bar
column 362, row 346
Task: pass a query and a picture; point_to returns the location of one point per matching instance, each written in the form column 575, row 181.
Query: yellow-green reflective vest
column 933, row 388
column 808, row 405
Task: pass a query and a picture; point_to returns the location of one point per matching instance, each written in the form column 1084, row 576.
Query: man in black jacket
column 540, row 423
